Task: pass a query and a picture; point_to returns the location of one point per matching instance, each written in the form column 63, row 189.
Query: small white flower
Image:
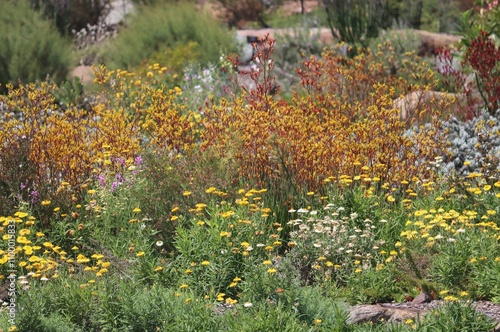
column 248, row 304
column 159, row 243
column 291, row 211
column 302, row 210
column 44, row 279
column 317, row 245
column 383, row 220
column 314, row 212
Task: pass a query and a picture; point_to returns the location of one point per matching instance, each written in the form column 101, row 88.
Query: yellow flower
column 267, row 262
column 205, row 263
column 390, row 198
column 45, row 203
column 20, row 214
column 271, row 271
column 140, row 254
column 183, row 286
column 186, row 193
column 158, row 268
column 317, row 321
column 311, row 193
column 136, row 210
column 451, row 298
column 230, row 301
column 175, row 209
column 224, row 233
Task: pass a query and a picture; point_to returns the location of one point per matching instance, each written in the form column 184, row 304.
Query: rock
column 323, row 34
column 367, row 313
column 84, row 73
column 413, row 103
column 431, row 42
column 423, row 297
column 379, row 313
column 118, row 10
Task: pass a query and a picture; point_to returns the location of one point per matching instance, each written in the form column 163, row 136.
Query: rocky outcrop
column 378, row 313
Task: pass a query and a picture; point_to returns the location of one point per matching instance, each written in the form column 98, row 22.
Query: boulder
column 377, row 313
column 84, row 73
column 414, row 102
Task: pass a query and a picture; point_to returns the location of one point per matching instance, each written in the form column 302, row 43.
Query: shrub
column 236, row 12
column 356, row 21
column 72, row 15
column 159, row 28
column 31, row 48
column 473, row 145
column 455, row 316
column 345, row 116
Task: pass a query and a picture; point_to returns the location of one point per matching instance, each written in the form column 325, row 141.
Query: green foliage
column 237, row 12
column 356, row 21
column 156, row 29
column 31, row 48
column 456, row 316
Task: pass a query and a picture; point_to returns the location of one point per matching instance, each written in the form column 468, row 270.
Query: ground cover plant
column 159, row 206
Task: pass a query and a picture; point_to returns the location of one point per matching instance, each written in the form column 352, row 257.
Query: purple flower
column 121, row 161
column 119, row 178
column 113, row 186
column 102, row 180
column 138, row 160
column 34, row 196
column 22, row 186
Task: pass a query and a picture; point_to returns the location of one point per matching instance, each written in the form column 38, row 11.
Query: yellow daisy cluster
column 33, row 255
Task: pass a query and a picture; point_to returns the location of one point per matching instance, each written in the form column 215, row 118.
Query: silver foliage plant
column 474, row 145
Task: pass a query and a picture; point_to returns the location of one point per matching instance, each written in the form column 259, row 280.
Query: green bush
column 32, row 48
column 158, row 29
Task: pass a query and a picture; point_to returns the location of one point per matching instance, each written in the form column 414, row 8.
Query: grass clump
column 161, row 29
column 32, row 48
